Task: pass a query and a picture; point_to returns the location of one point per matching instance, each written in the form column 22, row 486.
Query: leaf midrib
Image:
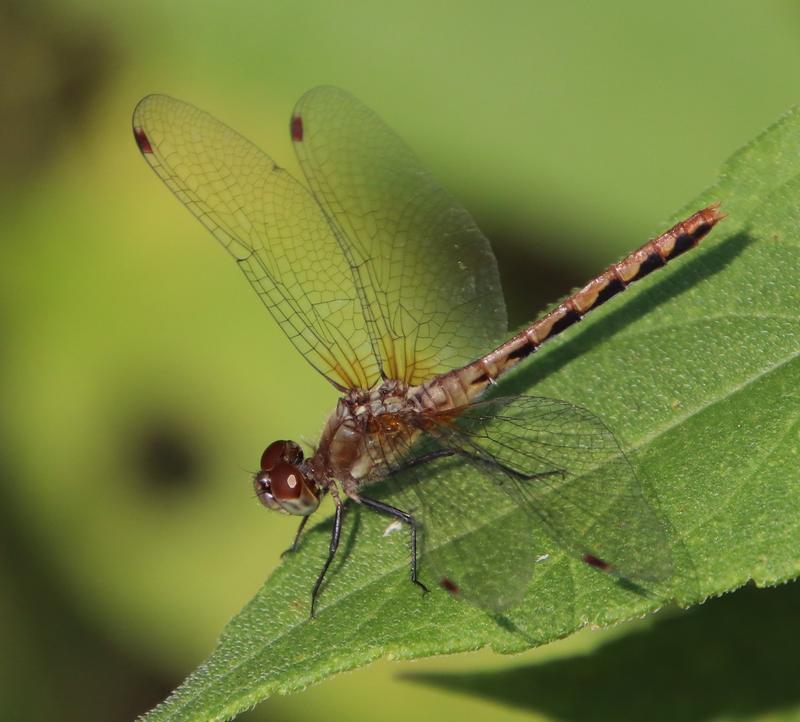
column 732, row 390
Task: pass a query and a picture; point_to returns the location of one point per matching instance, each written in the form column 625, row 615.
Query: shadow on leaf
column 732, row 657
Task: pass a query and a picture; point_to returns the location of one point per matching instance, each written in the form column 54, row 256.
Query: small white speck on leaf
column 392, row 528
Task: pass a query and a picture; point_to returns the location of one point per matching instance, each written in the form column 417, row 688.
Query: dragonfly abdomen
column 468, row 382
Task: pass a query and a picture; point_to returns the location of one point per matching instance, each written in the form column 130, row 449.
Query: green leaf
column 695, row 369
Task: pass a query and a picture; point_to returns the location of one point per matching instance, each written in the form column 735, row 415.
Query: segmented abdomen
column 459, row 387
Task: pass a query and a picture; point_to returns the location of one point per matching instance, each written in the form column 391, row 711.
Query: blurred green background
column 139, row 376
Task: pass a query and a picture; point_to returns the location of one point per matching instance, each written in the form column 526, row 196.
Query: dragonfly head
column 282, row 484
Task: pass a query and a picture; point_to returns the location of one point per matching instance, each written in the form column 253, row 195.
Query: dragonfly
column 385, row 285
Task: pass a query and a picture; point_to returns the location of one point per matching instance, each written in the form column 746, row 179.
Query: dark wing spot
column 142, row 140
column 449, row 586
column 297, row 128
column 596, row 562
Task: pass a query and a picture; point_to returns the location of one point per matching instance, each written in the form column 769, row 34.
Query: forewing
column 271, row 225
column 426, row 275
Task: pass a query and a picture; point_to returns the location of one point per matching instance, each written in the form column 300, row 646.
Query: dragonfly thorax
column 390, row 396
column 366, row 430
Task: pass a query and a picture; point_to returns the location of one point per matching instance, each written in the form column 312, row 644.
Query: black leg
column 443, row 453
column 424, row 459
column 292, row 549
column 337, row 532
column 406, row 518
column 528, row 477
column 478, row 459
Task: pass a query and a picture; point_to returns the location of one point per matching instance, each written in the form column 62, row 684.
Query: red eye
column 286, row 482
column 279, row 451
column 272, row 455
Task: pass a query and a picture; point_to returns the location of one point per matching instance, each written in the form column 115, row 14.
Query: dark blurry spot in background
column 164, row 452
column 54, row 65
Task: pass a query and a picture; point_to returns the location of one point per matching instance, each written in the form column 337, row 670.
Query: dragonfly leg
column 406, row 518
column 477, row 458
column 335, row 535
column 296, row 543
column 424, row 459
column 443, row 453
column 519, row 474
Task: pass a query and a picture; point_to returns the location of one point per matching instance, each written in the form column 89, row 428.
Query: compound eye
column 279, row 451
column 286, row 482
column 292, row 452
column 295, row 492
